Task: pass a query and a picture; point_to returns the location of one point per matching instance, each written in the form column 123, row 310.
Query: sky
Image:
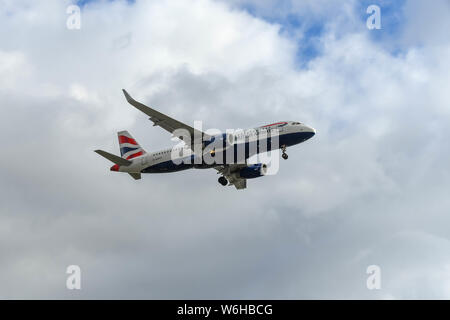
column 371, row 188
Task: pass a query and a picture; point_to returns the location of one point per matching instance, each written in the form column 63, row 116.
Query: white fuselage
column 289, row 133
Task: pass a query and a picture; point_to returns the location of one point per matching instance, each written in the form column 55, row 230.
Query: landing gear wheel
column 284, row 155
column 223, row 181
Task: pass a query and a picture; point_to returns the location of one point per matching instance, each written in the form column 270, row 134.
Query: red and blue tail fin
column 129, row 148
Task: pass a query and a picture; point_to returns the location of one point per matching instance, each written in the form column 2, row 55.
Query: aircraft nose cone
column 311, row 132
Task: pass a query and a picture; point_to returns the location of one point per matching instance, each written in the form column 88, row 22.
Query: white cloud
column 374, row 169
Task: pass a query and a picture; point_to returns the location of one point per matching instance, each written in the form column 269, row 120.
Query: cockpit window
column 296, row 123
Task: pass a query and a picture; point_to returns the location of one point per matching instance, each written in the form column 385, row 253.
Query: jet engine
column 253, row 171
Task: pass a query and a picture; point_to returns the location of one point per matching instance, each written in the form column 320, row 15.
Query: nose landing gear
column 223, row 181
column 284, row 155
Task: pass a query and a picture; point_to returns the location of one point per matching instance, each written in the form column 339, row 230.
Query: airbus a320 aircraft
column 234, row 170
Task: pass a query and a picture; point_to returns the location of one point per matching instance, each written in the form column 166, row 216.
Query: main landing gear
column 223, row 181
column 284, row 155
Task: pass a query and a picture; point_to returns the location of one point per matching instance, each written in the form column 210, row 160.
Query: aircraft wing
column 163, row 121
column 229, row 171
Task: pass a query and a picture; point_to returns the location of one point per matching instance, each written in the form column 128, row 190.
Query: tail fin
column 129, row 148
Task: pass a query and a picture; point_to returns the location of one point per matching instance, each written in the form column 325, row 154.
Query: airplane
column 192, row 153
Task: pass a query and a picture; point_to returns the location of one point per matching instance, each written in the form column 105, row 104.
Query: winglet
column 141, row 107
column 127, row 96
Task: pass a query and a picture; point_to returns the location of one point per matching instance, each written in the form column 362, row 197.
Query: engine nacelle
column 253, row 171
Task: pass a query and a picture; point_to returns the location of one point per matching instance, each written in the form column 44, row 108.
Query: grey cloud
column 370, row 188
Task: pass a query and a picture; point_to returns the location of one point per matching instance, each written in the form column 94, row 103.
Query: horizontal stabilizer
column 113, row 158
column 136, row 176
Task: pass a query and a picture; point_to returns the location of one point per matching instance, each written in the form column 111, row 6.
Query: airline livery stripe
column 129, row 145
column 135, row 155
column 124, row 150
column 273, row 124
column 123, row 139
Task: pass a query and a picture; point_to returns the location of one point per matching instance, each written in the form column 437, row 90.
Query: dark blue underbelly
column 221, row 158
